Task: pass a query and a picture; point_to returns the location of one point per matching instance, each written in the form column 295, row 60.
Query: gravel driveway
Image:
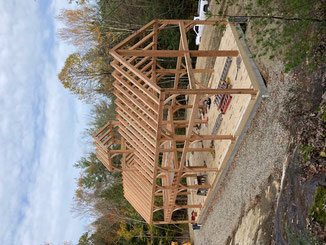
column 261, row 155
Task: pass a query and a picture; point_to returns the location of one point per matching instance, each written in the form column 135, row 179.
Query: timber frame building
column 146, row 137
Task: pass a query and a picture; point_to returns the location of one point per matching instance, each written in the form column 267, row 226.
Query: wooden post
column 199, row 169
column 154, row 77
column 177, row 122
column 178, row 71
column 188, row 206
column 184, row 193
column 177, row 53
column 183, row 38
column 181, row 138
column 211, row 91
column 189, row 149
column 196, row 22
column 174, row 222
column 187, row 175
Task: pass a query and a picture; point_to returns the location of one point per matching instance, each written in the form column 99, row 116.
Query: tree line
column 94, row 28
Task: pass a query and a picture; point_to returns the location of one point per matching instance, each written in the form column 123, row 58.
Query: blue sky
column 41, row 127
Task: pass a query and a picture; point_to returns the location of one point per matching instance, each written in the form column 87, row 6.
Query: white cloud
column 40, row 127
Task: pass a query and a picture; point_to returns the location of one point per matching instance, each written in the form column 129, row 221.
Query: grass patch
column 318, row 210
column 306, row 152
column 293, row 30
column 300, row 238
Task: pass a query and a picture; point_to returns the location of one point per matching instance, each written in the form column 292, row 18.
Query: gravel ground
column 240, row 204
column 261, row 155
column 260, row 158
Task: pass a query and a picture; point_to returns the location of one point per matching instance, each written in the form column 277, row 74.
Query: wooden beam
column 187, row 206
column 200, row 149
column 145, row 169
column 143, row 40
column 141, row 142
column 184, row 193
column 175, row 71
column 147, row 139
column 101, row 129
column 142, row 93
column 176, row 207
column 198, row 137
column 142, row 152
column 187, row 175
column 140, row 191
column 122, row 151
column 172, row 97
column 173, row 143
column 177, row 122
column 189, row 149
column 176, row 76
column 196, row 22
column 174, row 222
column 124, row 155
column 135, row 71
column 177, row 53
column 162, row 27
column 192, row 118
column 154, row 77
column 184, row 41
column 195, row 186
column 148, row 65
column 150, row 113
column 211, row 91
column 136, row 34
column 124, row 105
column 199, row 169
column 158, row 136
column 177, row 107
column 136, row 203
column 140, row 123
column 149, row 46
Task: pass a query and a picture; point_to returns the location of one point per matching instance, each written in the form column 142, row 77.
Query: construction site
column 174, row 144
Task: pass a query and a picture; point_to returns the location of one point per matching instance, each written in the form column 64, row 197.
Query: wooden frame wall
column 154, row 156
